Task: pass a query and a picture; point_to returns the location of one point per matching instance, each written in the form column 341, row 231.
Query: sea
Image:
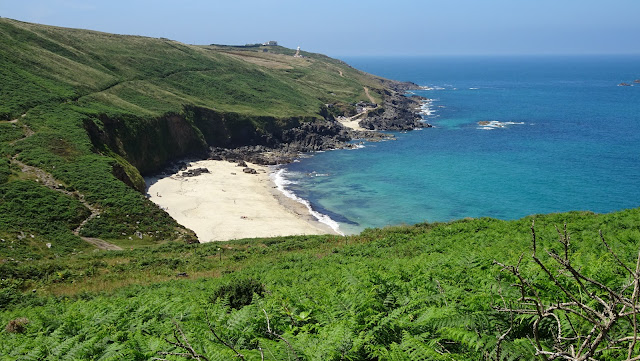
column 511, row 136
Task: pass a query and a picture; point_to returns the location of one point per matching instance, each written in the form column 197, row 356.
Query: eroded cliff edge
column 150, row 144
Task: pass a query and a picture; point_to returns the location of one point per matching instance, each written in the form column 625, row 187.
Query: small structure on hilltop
column 270, row 43
column 297, row 55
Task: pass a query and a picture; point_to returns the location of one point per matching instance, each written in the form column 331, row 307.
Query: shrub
column 18, row 325
column 239, row 293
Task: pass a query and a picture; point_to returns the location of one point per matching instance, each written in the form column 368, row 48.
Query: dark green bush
column 239, row 293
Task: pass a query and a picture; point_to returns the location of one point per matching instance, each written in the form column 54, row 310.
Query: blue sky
column 372, row 27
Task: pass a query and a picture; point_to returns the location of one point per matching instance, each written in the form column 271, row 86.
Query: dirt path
column 340, row 71
column 50, row 182
column 366, row 91
column 14, row 121
column 101, row 244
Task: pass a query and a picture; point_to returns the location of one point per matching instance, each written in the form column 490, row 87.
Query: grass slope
column 137, row 95
column 423, row 292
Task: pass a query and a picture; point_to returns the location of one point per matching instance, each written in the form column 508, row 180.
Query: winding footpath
column 366, row 91
column 50, row 182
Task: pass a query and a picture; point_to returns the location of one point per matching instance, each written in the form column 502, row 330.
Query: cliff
column 85, row 113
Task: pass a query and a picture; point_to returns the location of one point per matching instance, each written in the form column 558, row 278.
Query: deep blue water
column 577, row 147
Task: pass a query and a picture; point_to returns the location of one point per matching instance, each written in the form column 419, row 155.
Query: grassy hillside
column 423, row 292
column 84, row 113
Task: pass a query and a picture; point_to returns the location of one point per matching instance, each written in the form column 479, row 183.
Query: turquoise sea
column 565, row 137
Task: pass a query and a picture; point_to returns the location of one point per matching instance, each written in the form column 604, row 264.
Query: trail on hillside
column 50, row 182
column 366, row 91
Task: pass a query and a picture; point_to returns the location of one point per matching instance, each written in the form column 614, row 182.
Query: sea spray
column 279, row 179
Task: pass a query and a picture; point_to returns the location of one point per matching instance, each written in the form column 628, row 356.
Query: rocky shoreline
column 399, row 112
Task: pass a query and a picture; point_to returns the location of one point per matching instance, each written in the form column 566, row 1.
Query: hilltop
column 85, row 114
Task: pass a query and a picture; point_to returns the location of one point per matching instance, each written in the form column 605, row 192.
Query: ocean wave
column 435, row 87
column 279, row 178
column 494, row 124
column 426, row 109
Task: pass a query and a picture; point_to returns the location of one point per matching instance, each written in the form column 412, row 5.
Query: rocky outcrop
column 194, row 172
column 149, row 145
column 398, row 112
column 314, row 136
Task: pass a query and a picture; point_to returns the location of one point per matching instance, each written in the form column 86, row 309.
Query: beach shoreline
column 226, row 203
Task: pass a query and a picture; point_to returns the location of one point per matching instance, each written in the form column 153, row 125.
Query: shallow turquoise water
column 574, row 144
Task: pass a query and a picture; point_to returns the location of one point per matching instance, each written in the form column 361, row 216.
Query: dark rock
column 398, row 112
column 250, row 171
column 194, row 172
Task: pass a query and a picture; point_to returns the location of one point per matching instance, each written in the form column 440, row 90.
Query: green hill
column 84, row 113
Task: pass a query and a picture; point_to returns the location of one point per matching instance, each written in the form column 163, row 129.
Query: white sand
column 352, row 122
column 222, row 205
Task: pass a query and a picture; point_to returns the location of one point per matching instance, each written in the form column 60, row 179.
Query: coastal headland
column 80, row 111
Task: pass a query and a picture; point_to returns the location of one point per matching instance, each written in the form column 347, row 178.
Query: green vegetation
column 84, row 114
column 423, row 292
column 90, row 112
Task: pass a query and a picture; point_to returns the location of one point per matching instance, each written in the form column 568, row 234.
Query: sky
column 357, row 28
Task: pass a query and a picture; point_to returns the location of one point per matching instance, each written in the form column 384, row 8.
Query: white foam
column 435, row 87
column 493, row 124
column 426, row 109
column 278, row 177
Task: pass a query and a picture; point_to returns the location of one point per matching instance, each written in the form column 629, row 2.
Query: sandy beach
column 229, row 204
column 352, row 122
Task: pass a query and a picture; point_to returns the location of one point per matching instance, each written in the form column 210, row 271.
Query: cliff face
column 147, row 144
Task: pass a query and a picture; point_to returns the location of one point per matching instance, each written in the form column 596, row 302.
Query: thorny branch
column 270, row 332
column 567, row 343
column 182, row 342
column 213, row 331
